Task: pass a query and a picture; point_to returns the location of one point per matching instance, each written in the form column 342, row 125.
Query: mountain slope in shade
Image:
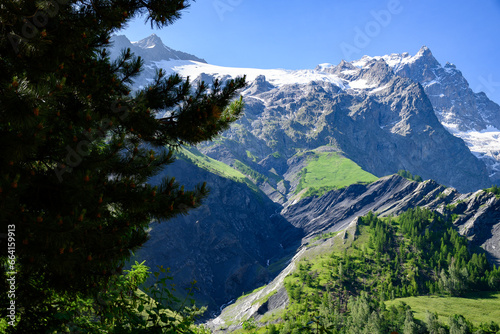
column 228, row 245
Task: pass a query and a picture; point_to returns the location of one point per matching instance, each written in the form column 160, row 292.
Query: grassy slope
column 327, row 171
column 477, row 307
column 214, row 166
column 209, row 164
column 324, row 172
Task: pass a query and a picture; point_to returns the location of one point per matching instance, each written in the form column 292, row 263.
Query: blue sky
column 300, row 34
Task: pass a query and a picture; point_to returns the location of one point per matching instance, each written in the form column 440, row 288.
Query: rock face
column 389, row 128
column 479, row 220
column 226, row 245
column 453, row 100
column 468, row 115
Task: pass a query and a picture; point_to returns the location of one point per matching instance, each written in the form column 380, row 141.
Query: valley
column 315, row 151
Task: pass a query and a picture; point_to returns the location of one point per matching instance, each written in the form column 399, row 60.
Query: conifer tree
column 78, row 145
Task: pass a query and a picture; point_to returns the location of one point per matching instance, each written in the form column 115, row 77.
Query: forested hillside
column 417, row 253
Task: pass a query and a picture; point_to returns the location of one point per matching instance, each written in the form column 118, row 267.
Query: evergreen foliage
column 407, row 175
column 495, row 190
column 78, row 147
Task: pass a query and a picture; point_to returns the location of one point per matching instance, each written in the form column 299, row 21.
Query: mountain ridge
column 156, row 49
column 465, row 114
column 468, row 115
column 362, row 79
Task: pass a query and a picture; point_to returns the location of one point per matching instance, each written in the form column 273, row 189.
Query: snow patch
column 325, row 66
column 362, row 62
column 484, row 144
column 394, row 60
column 433, row 82
column 376, row 90
column 359, row 84
column 349, row 72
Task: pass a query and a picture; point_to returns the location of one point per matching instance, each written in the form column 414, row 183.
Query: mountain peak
column 425, row 56
column 450, row 65
column 424, row 51
column 149, row 42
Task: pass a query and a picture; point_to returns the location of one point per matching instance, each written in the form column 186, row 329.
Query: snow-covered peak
column 149, row 42
column 424, row 51
column 396, row 60
column 149, row 49
column 361, row 63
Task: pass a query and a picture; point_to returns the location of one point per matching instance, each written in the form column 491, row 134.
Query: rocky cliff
column 467, row 115
column 476, row 215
